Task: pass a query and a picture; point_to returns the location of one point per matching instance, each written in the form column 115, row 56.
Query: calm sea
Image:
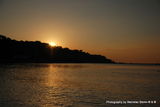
column 79, row 85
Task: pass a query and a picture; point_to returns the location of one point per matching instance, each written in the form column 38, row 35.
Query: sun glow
column 52, row 44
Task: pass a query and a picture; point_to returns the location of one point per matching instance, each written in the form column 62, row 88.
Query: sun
column 52, row 44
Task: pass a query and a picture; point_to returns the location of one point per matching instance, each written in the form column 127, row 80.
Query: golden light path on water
column 77, row 85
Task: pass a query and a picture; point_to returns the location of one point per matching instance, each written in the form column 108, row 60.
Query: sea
column 79, row 85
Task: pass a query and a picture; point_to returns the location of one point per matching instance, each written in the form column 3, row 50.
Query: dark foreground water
column 78, row 85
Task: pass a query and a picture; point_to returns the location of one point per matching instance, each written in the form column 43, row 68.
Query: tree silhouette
column 36, row 51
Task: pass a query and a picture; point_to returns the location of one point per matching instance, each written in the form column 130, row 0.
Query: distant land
column 158, row 64
column 38, row 52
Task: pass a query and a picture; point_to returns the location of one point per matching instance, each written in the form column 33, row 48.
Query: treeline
column 36, row 51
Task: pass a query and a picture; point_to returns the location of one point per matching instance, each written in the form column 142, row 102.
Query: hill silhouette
column 36, row 51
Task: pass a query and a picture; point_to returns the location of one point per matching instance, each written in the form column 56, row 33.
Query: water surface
column 77, row 85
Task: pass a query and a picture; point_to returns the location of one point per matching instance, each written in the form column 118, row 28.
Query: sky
column 123, row 30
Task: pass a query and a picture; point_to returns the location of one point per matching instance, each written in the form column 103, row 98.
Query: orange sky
column 123, row 30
